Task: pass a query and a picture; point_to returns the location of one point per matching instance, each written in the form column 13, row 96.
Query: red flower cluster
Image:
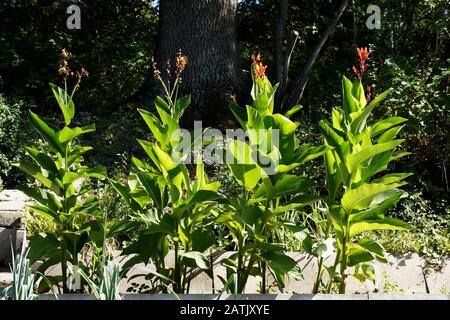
column 258, row 69
column 363, row 55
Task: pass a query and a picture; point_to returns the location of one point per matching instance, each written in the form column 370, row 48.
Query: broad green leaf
column 42, row 159
column 359, row 123
column 377, row 224
column 68, row 134
column 98, row 172
column 150, row 185
column 35, row 171
column 239, row 113
column 65, row 103
column 48, row 133
column 181, row 105
column 392, row 177
column 200, row 259
column 41, row 245
column 283, row 264
column 384, row 125
column 202, row 240
column 361, row 197
column 124, row 191
column 354, row 160
column 349, row 102
column 324, row 248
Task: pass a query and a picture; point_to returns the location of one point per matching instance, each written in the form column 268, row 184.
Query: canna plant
column 61, row 185
column 263, row 167
column 170, row 209
column 358, row 193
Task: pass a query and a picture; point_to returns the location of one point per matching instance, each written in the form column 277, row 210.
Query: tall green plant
column 61, row 185
column 263, row 166
column 170, row 209
column 358, row 194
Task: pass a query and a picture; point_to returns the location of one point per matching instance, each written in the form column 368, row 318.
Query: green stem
column 263, row 281
column 64, row 265
column 345, row 245
column 321, row 260
column 177, row 270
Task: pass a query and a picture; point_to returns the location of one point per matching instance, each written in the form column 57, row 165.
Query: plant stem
column 64, row 265
column 321, row 260
column 177, row 270
column 263, row 282
column 343, row 267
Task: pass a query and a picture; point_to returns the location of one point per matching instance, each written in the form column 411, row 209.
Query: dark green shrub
column 11, row 137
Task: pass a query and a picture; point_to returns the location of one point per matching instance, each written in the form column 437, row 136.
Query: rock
column 7, row 236
column 9, row 218
column 6, row 278
column 13, row 195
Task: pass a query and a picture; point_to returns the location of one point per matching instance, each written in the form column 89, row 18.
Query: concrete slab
column 439, row 282
column 403, row 272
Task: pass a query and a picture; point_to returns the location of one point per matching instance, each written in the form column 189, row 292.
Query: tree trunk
column 302, row 80
column 205, row 30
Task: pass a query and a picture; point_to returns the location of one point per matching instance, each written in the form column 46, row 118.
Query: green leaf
column 384, row 125
column 375, row 248
column 42, row 159
column 65, row 103
column 293, row 111
column 247, row 175
column 150, row 185
column 202, row 196
column 377, row 224
column 349, row 102
column 68, row 134
column 202, row 240
column 239, row 113
column 124, row 191
column 199, row 258
column 49, row 134
column 96, row 172
column 354, row 160
column 181, row 105
column 325, row 248
column 379, row 205
column 359, row 123
column 392, row 177
column 282, row 264
column 361, row 197
column 41, row 245
column 35, row 171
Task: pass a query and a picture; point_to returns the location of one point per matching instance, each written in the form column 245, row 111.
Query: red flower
column 363, row 55
column 258, row 68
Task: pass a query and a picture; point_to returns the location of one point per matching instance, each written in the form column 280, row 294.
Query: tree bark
column 280, row 70
column 302, row 80
column 279, row 32
column 205, row 30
